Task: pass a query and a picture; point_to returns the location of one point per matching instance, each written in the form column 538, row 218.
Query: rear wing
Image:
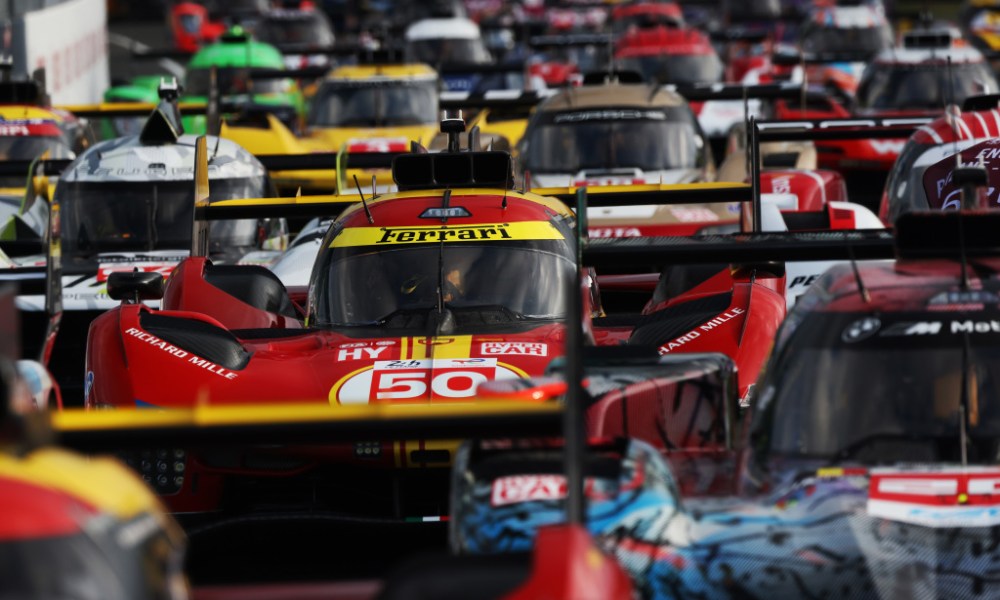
column 511, row 99
column 96, row 431
column 789, row 59
column 836, row 129
column 642, row 253
column 921, row 235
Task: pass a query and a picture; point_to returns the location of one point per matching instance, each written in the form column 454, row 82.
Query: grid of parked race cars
column 507, row 299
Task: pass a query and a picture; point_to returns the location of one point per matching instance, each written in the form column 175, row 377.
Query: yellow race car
column 357, row 106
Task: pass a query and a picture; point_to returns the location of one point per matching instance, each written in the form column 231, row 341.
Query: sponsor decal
column 613, row 232
column 624, row 114
column 781, row 185
column 356, row 145
column 604, row 181
column 942, row 193
column 693, row 214
column 964, row 297
column 966, row 498
column 861, row 329
column 935, row 327
column 359, row 353
column 970, row 326
column 708, row 327
column 887, row 146
column 722, row 319
column 26, row 127
column 14, row 130
column 803, row 281
column 527, row 488
column 379, row 236
column 104, row 270
column 515, row 348
column 88, row 384
column 679, row 342
column 515, row 489
column 206, row 364
column 912, row 328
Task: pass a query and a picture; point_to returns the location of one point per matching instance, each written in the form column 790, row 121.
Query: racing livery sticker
column 419, row 379
column 204, row 363
column 516, row 348
column 106, row 269
column 377, row 236
column 966, row 498
column 944, row 194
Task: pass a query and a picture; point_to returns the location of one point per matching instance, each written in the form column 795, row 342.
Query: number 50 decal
column 418, row 380
column 411, row 385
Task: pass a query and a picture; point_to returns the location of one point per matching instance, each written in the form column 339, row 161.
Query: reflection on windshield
column 924, row 86
column 675, row 68
column 232, row 81
column 891, row 397
column 448, row 51
column 367, row 288
column 29, row 148
column 393, row 104
column 861, row 40
column 145, row 216
column 901, row 194
column 313, row 30
column 569, row 146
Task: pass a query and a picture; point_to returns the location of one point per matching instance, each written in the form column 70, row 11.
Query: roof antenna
column 963, row 405
column 510, row 181
column 862, row 290
column 371, row 221
column 374, row 188
column 445, row 201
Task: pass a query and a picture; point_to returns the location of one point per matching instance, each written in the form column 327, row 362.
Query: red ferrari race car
column 438, row 311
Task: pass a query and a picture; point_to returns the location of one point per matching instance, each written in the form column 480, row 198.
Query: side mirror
column 133, row 286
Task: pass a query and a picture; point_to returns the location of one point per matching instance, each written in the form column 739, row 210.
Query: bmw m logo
column 861, row 329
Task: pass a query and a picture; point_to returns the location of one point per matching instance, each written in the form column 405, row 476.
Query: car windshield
column 309, row 29
column 191, row 24
column 115, row 216
column 29, row 148
column 586, row 58
column 374, row 104
column 232, row 81
column 648, row 139
column 446, row 50
column 88, row 566
column 675, row 68
column 883, row 389
column 859, row 40
column 886, row 86
column 365, row 287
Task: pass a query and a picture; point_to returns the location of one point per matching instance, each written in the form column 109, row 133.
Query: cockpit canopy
column 929, row 85
column 395, row 277
column 876, row 388
column 651, row 139
column 144, row 216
